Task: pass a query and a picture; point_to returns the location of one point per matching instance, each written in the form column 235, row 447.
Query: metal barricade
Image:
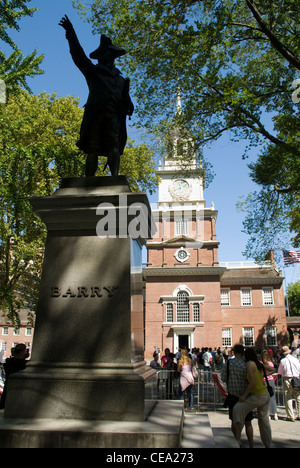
column 279, row 393
column 167, row 384
column 166, row 387
column 208, row 392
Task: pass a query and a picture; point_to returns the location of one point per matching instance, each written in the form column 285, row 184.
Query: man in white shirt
column 289, row 368
column 207, row 361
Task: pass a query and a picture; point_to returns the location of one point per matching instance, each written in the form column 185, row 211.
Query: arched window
column 183, row 307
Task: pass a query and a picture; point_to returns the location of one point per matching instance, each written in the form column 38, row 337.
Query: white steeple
column 180, row 181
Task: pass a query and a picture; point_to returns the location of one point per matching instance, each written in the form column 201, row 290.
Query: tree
column 293, row 294
column 274, row 211
column 36, row 141
column 11, row 11
column 37, row 149
column 138, row 164
column 15, row 68
column 234, row 62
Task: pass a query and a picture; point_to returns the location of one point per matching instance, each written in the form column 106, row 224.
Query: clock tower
column 183, row 272
column 186, row 227
column 191, row 299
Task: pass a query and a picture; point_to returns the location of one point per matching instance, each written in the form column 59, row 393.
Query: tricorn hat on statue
column 106, row 43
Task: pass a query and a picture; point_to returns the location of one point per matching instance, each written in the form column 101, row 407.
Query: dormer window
column 181, row 227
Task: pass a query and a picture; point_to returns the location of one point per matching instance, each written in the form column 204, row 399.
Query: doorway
column 183, row 341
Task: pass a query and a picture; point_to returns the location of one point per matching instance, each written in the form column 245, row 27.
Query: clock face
column 180, row 186
column 180, row 189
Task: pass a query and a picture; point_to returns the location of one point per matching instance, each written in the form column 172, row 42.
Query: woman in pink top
column 164, row 359
column 186, row 377
column 273, row 407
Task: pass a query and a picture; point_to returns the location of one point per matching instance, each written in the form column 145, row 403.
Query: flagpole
column 287, row 298
column 287, row 305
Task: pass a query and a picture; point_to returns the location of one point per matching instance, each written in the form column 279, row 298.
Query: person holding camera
column 289, row 369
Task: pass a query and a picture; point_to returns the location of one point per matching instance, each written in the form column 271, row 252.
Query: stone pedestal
column 87, row 359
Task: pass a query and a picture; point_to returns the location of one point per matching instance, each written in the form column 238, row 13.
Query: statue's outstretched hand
column 66, row 24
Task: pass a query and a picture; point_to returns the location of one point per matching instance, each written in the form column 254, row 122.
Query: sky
column 231, row 180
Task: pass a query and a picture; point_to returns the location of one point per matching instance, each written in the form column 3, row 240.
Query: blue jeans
column 207, row 370
column 189, row 394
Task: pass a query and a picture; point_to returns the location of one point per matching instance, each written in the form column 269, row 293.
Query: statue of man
column 103, row 130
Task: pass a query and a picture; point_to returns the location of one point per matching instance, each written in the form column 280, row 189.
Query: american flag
column 290, row 257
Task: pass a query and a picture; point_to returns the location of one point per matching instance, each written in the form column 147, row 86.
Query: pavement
column 212, row 429
column 207, row 429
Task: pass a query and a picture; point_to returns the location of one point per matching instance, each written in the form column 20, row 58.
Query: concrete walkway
column 212, row 430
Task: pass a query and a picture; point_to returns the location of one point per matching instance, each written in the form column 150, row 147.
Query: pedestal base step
column 162, row 428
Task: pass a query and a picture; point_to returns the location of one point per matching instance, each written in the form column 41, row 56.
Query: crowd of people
column 249, row 378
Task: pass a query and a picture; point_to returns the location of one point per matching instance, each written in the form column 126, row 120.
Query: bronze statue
column 103, row 130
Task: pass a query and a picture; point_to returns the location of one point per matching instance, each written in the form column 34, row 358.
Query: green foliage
column 234, row 62
column 15, row 68
column 138, row 164
column 278, row 172
column 36, row 146
column 11, row 11
column 226, row 68
column 293, row 293
column 266, row 224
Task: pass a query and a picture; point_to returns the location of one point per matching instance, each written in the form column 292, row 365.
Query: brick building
column 10, row 337
column 191, row 299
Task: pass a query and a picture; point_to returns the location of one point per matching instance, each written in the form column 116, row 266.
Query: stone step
column 161, row 429
column 198, row 433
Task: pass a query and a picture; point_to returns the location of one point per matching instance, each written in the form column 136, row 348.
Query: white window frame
column 169, row 314
column 196, row 311
column 226, row 335
column 243, row 304
column 271, row 332
column 268, row 292
column 28, row 331
column 3, row 346
column 250, row 332
column 181, row 227
column 183, row 312
column 4, row 331
column 225, row 297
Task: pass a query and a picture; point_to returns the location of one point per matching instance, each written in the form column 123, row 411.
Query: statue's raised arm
column 66, row 24
column 77, row 52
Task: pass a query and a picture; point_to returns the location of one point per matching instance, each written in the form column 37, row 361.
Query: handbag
column 195, row 372
column 295, row 381
column 270, row 389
